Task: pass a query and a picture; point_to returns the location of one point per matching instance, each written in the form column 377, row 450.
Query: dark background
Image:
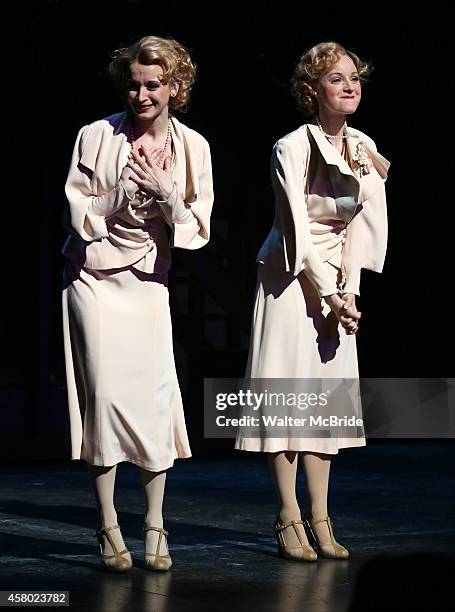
column 55, row 56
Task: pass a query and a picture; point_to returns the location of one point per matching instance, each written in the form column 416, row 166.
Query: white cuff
column 174, row 209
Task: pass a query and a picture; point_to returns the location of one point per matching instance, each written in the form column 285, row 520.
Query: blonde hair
column 173, row 58
column 312, row 66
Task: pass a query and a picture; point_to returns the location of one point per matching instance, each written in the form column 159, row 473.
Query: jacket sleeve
column 191, row 221
column 366, row 234
column 85, row 213
column 288, row 181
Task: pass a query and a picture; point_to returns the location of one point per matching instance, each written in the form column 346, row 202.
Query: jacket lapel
column 369, row 183
column 344, row 184
column 184, row 173
column 122, row 130
column 328, row 151
column 381, row 164
column 344, row 179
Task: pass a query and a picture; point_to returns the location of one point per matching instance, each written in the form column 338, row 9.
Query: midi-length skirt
column 123, row 394
column 295, row 335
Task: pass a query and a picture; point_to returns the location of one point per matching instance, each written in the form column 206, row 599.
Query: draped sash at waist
column 130, row 239
column 328, row 237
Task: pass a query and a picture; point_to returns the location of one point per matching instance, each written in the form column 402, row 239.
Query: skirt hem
column 298, row 448
column 138, row 462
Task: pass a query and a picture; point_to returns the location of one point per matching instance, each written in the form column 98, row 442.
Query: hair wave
column 312, row 65
column 173, row 58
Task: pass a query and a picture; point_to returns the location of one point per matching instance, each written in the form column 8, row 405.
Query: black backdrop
column 55, row 56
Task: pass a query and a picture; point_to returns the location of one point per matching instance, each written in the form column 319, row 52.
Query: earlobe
column 174, row 89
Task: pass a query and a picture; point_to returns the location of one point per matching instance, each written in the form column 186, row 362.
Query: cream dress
column 294, row 333
column 295, row 336
column 123, row 394
column 120, row 369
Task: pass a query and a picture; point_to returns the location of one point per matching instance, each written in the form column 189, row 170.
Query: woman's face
column 147, row 95
column 339, row 90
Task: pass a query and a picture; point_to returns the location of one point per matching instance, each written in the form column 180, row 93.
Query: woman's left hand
column 149, row 176
column 349, row 315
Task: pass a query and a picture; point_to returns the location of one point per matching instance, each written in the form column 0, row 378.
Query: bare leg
column 103, row 480
column 153, row 484
column 283, row 467
column 317, row 473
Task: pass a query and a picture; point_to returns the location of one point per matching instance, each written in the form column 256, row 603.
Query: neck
column 155, row 128
column 332, row 124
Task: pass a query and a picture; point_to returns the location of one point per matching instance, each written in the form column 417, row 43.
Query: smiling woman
column 173, row 59
column 131, row 174
column 330, row 222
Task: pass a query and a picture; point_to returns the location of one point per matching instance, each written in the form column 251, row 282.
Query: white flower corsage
column 361, row 160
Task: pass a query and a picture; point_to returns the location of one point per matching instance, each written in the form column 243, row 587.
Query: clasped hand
column 346, row 311
column 145, row 171
column 348, row 315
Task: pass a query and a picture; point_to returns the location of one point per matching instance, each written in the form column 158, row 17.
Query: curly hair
column 311, row 67
column 173, row 58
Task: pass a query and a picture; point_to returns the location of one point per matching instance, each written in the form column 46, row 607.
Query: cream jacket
column 325, row 211
column 108, row 228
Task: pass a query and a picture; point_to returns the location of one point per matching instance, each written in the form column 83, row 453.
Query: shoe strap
column 279, row 527
column 322, row 520
column 104, row 531
column 327, row 520
column 162, row 532
column 159, row 529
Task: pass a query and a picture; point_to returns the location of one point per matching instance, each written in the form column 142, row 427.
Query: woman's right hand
column 347, row 315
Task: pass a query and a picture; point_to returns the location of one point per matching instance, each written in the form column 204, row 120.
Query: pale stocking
column 316, row 467
column 153, row 484
column 103, row 479
column 283, row 467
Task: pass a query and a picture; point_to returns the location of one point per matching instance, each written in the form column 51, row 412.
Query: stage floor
column 392, row 505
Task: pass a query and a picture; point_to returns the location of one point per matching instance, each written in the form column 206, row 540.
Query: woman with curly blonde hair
column 131, row 175
column 330, row 222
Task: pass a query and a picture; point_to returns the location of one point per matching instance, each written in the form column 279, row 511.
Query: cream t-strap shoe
column 120, row 561
column 304, row 552
column 155, row 561
column 329, row 551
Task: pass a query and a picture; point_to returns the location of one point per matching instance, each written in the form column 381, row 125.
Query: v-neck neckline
column 344, row 153
column 331, row 153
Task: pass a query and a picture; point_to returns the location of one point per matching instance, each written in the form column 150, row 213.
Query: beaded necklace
column 132, row 142
column 344, row 135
